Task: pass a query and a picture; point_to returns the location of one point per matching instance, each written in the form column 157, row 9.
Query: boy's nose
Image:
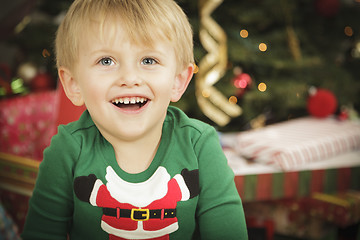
column 129, row 76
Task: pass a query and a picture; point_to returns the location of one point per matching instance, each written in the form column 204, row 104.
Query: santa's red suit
column 144, row 210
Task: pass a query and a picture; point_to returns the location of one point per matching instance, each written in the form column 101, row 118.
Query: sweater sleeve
column 51, row 205
column 220, row 212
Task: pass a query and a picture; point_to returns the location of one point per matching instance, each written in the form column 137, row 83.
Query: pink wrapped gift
column 300, row 141
column 27, row 124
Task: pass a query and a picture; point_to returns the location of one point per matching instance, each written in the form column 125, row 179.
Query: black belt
column 140, row 214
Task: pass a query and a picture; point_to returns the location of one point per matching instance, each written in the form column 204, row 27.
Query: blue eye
column 148, row 61
column 106, row 61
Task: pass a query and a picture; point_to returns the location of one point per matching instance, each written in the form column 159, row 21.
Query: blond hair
column 143, row 20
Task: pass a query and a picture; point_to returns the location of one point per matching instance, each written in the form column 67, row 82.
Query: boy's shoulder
column 182, row 121
column 83, row 123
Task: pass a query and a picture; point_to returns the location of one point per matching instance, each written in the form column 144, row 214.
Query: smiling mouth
column 130, row 102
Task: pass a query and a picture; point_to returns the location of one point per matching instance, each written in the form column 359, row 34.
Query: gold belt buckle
column 145, row 214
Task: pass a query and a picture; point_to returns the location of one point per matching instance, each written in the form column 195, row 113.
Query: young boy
column 131, row 167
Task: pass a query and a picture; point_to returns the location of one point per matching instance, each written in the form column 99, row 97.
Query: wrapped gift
column 285, row 185
column 341, row 209
column 27, row 124
column 290, row 219
column 297, row 142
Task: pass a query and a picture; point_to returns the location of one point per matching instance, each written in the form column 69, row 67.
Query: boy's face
column 126, row 87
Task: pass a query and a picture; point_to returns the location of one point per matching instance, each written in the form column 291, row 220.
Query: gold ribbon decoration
column 293, row 40
column 212, row 68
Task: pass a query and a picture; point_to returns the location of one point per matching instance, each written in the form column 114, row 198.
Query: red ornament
column 42, row 82
column 242, row 80
column 327, row 8
column 322, row 103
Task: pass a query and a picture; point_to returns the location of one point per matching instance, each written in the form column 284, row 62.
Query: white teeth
column 129, row 100
column 140, row 100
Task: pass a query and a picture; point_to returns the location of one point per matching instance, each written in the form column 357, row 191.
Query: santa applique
column 145, row 210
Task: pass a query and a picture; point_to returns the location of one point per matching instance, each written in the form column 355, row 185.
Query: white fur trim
column 184, row 189
column 139, row 233
column 94, row 192
column 138, row 194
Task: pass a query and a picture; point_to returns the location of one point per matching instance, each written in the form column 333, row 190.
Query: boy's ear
column 71, row 87
column 182, row 81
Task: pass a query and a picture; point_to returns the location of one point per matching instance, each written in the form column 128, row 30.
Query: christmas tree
column 276, row 51
column 286, row 47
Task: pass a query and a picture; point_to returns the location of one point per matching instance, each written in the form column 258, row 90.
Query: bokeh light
column 244, row 33
column 262, row 47
column 262, row 87
column 348, row 31
column 233, row 100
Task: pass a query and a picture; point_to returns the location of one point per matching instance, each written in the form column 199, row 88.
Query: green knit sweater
column 188, row 191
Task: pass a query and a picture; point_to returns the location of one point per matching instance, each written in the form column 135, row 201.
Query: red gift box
column 27, row 124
